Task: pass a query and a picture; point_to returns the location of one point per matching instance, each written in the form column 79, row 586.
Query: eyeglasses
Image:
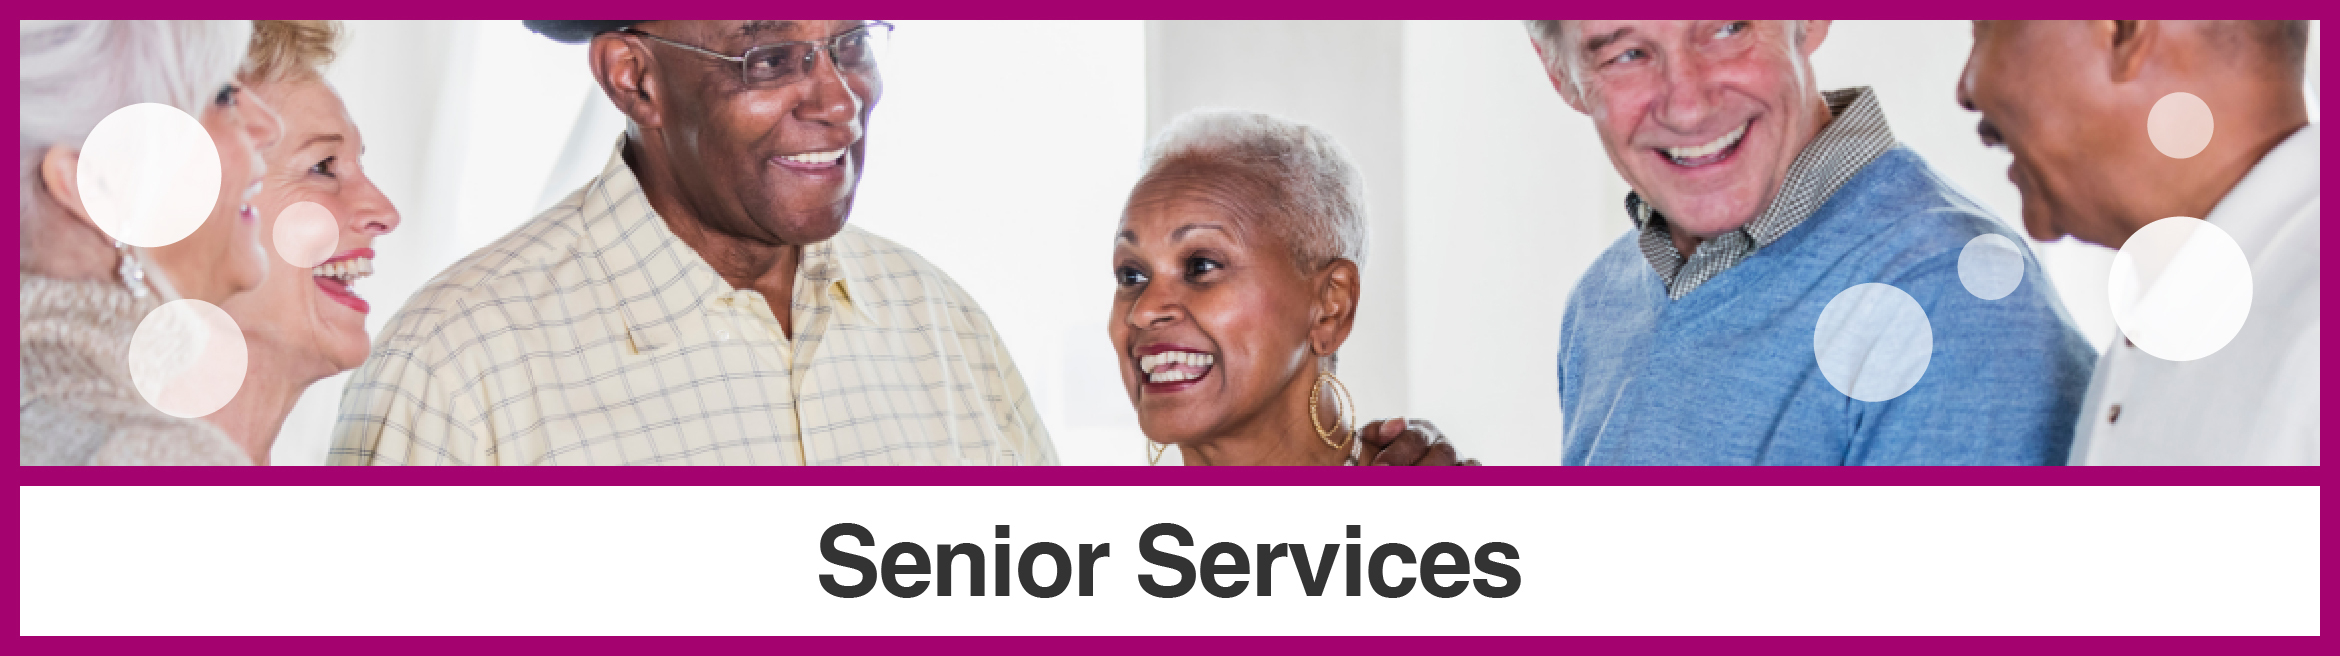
column 855, row 51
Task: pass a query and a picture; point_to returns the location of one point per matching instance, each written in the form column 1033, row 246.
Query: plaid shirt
column 1855, row 136
column 593, row 336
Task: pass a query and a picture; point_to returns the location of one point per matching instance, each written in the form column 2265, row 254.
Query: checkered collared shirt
column 593, row 336
column 1855, row 136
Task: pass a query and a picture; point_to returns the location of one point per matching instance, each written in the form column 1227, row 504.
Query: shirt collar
column 2283, row 181
column 1855, row 135
column 839, row 265
column 659, row 279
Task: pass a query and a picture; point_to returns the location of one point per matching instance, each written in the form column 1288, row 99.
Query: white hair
column 1317, row 195
column 75, row 73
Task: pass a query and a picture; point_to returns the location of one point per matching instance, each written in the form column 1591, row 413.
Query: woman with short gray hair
column 83, row 293
column 1237, row 266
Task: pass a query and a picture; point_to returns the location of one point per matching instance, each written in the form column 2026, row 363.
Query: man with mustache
column 2071, row 101
column 1792, row 290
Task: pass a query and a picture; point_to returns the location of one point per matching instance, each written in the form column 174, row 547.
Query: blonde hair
column 290, row 49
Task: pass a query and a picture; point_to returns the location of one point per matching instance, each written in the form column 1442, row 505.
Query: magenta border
column 1184, row 476
column 1183, row 9
column 1523, row 475
column 1076, row 476
column 1190, row 646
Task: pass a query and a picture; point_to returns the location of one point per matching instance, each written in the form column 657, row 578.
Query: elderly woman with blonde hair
column 306, row 322
column 1237, row 265
column 84, row 294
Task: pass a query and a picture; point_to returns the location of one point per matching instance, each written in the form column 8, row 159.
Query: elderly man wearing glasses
column 701, row 301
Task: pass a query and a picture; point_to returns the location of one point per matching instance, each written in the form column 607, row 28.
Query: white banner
column 1580, row 560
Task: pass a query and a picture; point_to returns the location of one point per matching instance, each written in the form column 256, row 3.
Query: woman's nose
column 373, row 213
column 1155, row 307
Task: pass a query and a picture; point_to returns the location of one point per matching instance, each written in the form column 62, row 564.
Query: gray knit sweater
column 79, row 407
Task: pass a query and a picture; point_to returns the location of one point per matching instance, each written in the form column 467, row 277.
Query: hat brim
column 575, row 31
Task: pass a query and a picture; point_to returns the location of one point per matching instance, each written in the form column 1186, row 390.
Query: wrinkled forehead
column 1244, row 193
column 307, row 105
column 1187, row 189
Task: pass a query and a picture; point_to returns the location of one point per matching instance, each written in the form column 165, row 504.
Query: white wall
column 1511, row 198
column 1001, row 152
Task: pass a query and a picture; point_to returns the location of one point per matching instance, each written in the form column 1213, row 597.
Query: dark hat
column 575, row 31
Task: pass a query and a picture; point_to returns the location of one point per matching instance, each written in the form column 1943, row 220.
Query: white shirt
column 2256, row 401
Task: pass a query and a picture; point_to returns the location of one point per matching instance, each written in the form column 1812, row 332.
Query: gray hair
column 1305, row 176
column 75, row 73
column 1551, row 39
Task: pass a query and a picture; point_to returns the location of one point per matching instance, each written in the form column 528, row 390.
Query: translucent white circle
column 305, row 234
column 2180, row 125
column 1873, row 342
column 1990, row 266
column 2180, row 289
column 149, row 174
column 187, row 358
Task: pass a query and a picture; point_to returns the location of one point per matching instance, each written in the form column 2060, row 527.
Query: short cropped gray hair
column 1315, row 195
column 75, row 73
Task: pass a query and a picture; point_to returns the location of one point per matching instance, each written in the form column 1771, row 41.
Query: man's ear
column 2129, row 43
column 624, row 71
column 60, row 179
column 1336, row 306
column 1559, row 83
column 1815, row 31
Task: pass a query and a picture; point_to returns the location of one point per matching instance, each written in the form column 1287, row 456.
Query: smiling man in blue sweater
column 1799, row 288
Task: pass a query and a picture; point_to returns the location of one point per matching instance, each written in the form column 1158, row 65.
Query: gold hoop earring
column 1343, row 407
column 1154, row 451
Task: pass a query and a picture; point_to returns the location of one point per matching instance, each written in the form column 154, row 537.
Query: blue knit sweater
column 1727, row 374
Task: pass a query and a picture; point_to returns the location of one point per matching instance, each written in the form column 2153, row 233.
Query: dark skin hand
column 1403, row 441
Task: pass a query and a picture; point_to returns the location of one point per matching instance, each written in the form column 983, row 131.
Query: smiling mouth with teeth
column 346, row 271
column 1709, row 153
column 1175, row 366
column 824, row 158
column 335, row 278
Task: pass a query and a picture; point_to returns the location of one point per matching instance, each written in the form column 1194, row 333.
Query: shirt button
column 2114, row 416
column 725, row 335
